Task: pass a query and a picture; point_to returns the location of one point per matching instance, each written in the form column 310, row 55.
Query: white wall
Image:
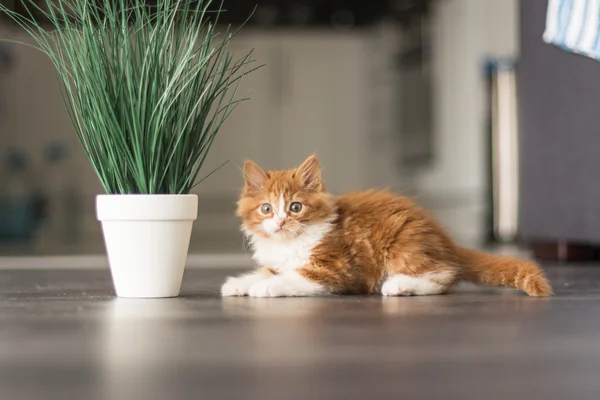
column 466, row 32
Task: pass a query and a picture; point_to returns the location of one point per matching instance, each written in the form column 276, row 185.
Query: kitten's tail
column 489, row 269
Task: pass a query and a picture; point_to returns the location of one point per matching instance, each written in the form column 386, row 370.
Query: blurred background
column 418, row 96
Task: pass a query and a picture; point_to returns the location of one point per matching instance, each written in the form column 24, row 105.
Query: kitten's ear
column 310, row 174
column 254, row 176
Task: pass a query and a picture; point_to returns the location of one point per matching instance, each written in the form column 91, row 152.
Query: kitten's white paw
column 273, row 287
column 236, row 286
column 405, row 285
column 393, row 288
column 286, row 285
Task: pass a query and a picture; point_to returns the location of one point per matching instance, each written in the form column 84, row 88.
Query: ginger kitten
column 308, row 242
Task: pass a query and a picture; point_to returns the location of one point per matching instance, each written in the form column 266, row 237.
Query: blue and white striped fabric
column 574, row 25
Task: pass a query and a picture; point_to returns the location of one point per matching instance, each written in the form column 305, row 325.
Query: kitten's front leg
column 289, row 284
column 240, row 285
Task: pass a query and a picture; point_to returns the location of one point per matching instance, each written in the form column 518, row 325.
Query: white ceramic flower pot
column 147, row 239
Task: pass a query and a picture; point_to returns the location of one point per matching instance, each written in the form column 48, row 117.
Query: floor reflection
column 93, row 346
column 140, row 341
column 502, row 302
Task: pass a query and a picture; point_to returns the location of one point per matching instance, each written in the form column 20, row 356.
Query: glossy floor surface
column 64, row 336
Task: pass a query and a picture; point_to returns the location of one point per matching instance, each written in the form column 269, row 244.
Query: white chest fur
column 287, row 255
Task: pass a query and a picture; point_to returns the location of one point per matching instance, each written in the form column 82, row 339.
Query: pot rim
column 147, row 207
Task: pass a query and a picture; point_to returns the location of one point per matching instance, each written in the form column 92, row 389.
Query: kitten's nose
column 281, row 223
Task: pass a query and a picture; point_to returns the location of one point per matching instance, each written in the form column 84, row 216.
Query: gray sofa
column 559, row 127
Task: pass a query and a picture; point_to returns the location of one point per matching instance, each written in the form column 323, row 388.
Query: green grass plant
column 147, row 87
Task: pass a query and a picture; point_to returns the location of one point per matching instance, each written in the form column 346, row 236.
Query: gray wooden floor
column 64, row 336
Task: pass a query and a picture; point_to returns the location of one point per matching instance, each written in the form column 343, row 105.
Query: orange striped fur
column 359, row 243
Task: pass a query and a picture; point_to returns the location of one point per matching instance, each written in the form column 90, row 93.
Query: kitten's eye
column 295, row 207
column 266, row 208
